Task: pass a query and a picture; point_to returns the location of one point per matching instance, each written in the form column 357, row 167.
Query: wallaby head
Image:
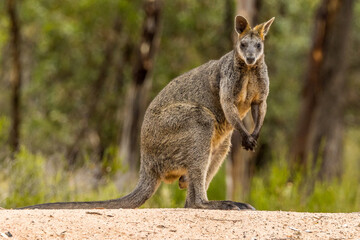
column 250, row 41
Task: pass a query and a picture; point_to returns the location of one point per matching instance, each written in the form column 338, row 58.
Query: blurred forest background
column 76, row 77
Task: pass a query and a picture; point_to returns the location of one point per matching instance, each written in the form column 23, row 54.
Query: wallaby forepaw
column 249, row 143
column 255, row 136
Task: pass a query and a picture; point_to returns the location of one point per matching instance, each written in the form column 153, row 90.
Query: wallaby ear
column 263, row 28
column 241, row 24
column 267, row 26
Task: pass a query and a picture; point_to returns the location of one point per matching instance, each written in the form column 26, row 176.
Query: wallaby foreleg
column 258, row 112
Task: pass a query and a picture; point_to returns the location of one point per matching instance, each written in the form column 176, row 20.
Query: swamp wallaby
column 187, row 127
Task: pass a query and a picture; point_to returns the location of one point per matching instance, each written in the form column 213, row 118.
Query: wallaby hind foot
column 222, row 205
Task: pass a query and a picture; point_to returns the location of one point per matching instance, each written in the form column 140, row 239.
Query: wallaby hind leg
column 190, row 196
column 197, row 198
column 217, row 157
column 196, row 195
column 197, row 154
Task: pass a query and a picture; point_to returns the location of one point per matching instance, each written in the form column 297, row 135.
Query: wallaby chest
column 249, row 88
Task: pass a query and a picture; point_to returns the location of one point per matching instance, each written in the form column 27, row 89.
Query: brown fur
column 187, row 127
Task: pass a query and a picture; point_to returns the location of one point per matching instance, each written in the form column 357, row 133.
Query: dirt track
column 176, row 224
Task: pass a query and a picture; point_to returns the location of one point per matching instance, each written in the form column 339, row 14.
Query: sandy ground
column 176, row 224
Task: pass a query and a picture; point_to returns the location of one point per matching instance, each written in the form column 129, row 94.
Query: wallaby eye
column 258, row 46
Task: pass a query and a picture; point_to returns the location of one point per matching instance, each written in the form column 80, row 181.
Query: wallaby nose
column 250, row 60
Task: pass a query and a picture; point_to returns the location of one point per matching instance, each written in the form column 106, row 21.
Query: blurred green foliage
column 26, row 179
column 272, row 190
column 29, row 180
column 63, row 48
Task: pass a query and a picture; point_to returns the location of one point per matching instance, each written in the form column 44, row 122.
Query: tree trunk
column 319, row 138
column 95, row 93
column 241, row 160
column 15, row 42
column 248, row 9
column 137, row 95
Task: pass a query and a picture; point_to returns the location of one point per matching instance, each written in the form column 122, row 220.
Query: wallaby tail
column 145, row 188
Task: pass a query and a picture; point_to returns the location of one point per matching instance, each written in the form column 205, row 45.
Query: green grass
column 271, row 189
column 27, row 181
